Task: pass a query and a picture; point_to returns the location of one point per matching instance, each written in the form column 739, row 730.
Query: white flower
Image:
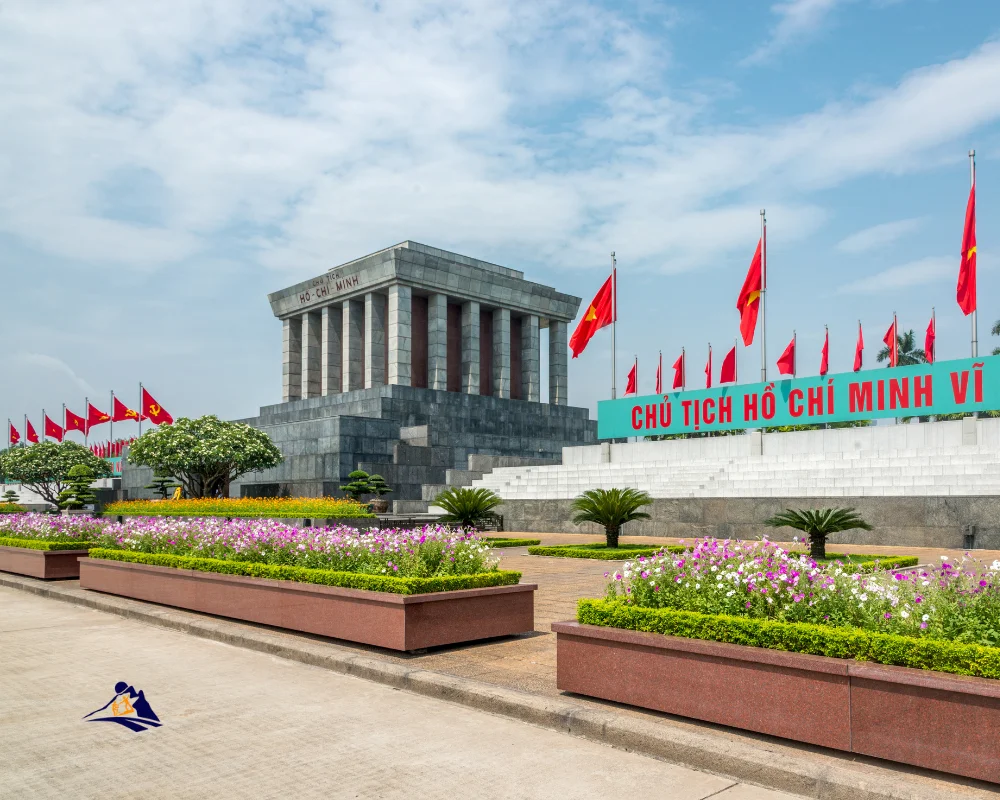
column 925, row 617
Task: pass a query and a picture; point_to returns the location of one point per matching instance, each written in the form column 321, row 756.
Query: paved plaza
column 243, row 724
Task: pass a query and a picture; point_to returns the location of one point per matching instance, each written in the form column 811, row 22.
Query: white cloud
column 798, row 20
column 878, row 236
column 913, row 273
column 55, row 365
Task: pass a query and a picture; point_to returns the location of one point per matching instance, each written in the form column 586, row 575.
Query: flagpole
column 763, row 296
column 894, row 361
column 684, row 367
column 614, row 319
column 795, row 354
column 736, row 360
column 26, row 442
column 42, row 438
column 140, row 408
column 934, row 328
column 975, row 310
column 111, row 422
column 660, row 373
column 86, row 421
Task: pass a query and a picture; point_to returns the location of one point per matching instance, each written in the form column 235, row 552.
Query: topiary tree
column 818, row 524
column 163, row 485
column 611, row 508
column 78, row 493
column 466, row 506
column 10, row 496
column 44, row 467
column 357, row 485
column 206, row 454
column 377, row 485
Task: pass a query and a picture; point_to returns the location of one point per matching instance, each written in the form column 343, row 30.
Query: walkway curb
column 754, row 762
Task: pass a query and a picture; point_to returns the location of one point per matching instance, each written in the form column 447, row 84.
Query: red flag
column 824, row 361
column 728, row 373
column 708, row 369
column 74, row 422
column 633, row 379
column 95, row 416
column 659, row 376
column 121, row 412
column 748, row 303
column 929, row 341
column 679, row 371
column 52, row 430
column 786, row 363
column 859, row 349
column 29, row 432
column 891, row 343
column 153, row 411
column 966, row 292
column 14, row 436
column 599, row 313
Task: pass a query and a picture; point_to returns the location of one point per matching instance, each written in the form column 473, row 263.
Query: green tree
column 611, row 508
column 163, row 485
column 996, row 332
column 206, row 454
column 907, row 352
column 466, row 506
column 377, row 485
column 78, row 493
column 10, row 496
column 358, row 485
column 44, row 467
column 818, row 524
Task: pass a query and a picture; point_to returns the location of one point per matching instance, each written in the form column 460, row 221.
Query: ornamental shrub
column 242, row 507
column 611, row 508
column 466, row 506
column 77, row 493
column 44, row 467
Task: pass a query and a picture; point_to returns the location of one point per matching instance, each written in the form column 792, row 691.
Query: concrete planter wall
column 45, row 564
column 928, row 719
column 397, row 622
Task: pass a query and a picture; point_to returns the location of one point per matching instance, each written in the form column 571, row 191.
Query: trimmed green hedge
column 864, row 562
column 601, row 551
column 323, row 577
column 798, row 637
column 44, row 544
column 500, row 541
column 11, row 508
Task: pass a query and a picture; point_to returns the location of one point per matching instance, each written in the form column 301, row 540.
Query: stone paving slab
column 516, row 676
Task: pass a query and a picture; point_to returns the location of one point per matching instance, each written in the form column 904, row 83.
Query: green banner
column 949, row 387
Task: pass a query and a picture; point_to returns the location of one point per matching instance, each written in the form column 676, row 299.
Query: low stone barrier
column 45, row 564
column 393, row 621
column 927, row 719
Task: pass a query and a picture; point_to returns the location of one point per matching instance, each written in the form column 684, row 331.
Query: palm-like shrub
column 466, row 506
column 818, row 524
column 907, row 352
column 611, row 508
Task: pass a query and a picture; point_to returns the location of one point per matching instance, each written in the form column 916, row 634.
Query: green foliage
column 163, row 485
column 600, row 551
column 866, row 563
column 611, row 508
column 44, row 544
column 206, row 454
column 466, row 506
column 11, row 508
column 500, row 541
column 358, row 485
column 377, row 485
column 323, row 577
column 10, row 497
column 78, row 493
column 44, row 467
column 907, row 352
column 818, row 524
column 798, row 637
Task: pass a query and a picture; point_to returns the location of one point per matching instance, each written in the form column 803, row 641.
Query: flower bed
column 402, row 589
column 751, row 636
column 10, row 508
column 244, row 507
column 45, row 546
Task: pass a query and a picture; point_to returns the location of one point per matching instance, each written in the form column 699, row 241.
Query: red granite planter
column 928, row 719
column 397, row 622
column 44, row 564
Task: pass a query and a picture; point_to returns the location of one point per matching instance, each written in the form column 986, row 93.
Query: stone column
column 311, row 339
column 437, row 342
column 331, row 350
column 558, row 374
column 531, row 359
column 501, row 353
column 470, row 347
column 352, row 363
column 374, row 340
column 291, row 362
column 400, row 335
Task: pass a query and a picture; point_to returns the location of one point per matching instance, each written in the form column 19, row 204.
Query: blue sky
column 165, row 166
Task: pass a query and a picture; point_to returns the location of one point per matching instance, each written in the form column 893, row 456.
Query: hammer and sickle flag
column 599, row 314
column 748, row 302
column 153, row 411
column 121, row 412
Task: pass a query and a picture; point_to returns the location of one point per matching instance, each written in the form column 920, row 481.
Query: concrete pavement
column 238, row 723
